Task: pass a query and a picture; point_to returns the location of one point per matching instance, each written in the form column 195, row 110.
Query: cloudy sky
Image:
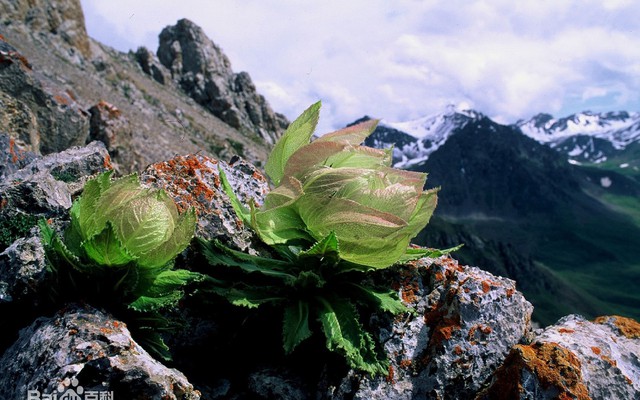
column 404, row 59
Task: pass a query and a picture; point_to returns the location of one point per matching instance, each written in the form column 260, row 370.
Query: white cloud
column 404, row 59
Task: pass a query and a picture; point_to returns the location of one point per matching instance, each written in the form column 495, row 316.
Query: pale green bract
column 334, row 184
column 115, row 223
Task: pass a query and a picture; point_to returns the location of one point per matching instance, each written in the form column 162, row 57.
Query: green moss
column 64, row 176
column 15, row 227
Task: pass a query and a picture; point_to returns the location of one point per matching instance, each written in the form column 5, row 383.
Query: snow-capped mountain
column 415, row 140
column 587, row 136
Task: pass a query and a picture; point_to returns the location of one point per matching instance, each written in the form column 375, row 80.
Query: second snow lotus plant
column 338, row 212
column 121, row 245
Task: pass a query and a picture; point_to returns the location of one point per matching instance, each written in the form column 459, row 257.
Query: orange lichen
column 390, row 378
column 62, row 100
column 405, row 363
column 565, row 330
column 596, row 350
column 486, row 287
column 112, row 110
column 457, row 350
column 107, row 162
column 553, row 365
column 628, row 327
column 510, row 292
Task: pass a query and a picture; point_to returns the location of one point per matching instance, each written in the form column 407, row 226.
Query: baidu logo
column 69, row 389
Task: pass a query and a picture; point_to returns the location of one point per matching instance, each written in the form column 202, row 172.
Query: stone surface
column 81, row 348
column 23, row 269
column 151, row 65
column 576, row 359
column 465, row 322
column 204, row 73
column 36, row 110
column 62, row 18
column 108, row 125
column 194, row 181
column 13, row 155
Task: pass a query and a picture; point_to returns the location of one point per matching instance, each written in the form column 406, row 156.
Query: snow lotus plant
column 122, row 241
column 338, row 211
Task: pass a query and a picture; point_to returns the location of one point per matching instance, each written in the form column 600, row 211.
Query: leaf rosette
column 334, row 184
column 115, row 223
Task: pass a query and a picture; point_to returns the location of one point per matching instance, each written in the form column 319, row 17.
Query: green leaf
column 178, row 241
column 106, row 249
column 297, row 135
column 153, row 303
column 83, row 224
column 295, row 327
column 385, row 300
column 354, row 135
column 344, row 334
column 279, row 222
column 238, row 207
column 418, row 253
column 218, row 254
column 327, row 247
column 247, row 296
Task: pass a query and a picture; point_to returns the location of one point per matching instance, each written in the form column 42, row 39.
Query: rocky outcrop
column 194, row 181
column 465, row 322
column 108, row 125
column 80, row 351
column 63, row 19
column 576, row 359
column 151, row 65
column 34, row 110
column 204, row 73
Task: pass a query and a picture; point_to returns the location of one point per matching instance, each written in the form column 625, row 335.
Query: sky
column 404, row 59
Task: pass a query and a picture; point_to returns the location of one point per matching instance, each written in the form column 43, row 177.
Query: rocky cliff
column 69, row 112
column 59, row 88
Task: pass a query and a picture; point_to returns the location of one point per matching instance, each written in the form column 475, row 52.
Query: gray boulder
column 82, row 350
column 574, row 359
column 466, row 320
column 204, row 72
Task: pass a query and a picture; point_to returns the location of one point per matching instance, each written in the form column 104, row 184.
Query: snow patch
column 605, row 181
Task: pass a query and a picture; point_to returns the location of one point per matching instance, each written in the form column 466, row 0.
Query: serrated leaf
column 344, row 334
column 413, row 254
column 385, row 300
column 297, row 135
column 247, row 296
column 154, row 303
column 218, row 254
column 327, row 247
column 295, row 327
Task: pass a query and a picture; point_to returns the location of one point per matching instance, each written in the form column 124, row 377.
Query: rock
column 268, row 384
column 61, row 18
column 194, row 181
column 466, row 321
column 85, row 350
column 204, row 73
column 576, row 359
column 23, row 269
column 151, row 65
column 43, row 188
column 13, row 155
column 36, row 110
column 109, row 126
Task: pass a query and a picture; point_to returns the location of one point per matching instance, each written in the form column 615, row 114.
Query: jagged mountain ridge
column 586, row 136
column 583, row 138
